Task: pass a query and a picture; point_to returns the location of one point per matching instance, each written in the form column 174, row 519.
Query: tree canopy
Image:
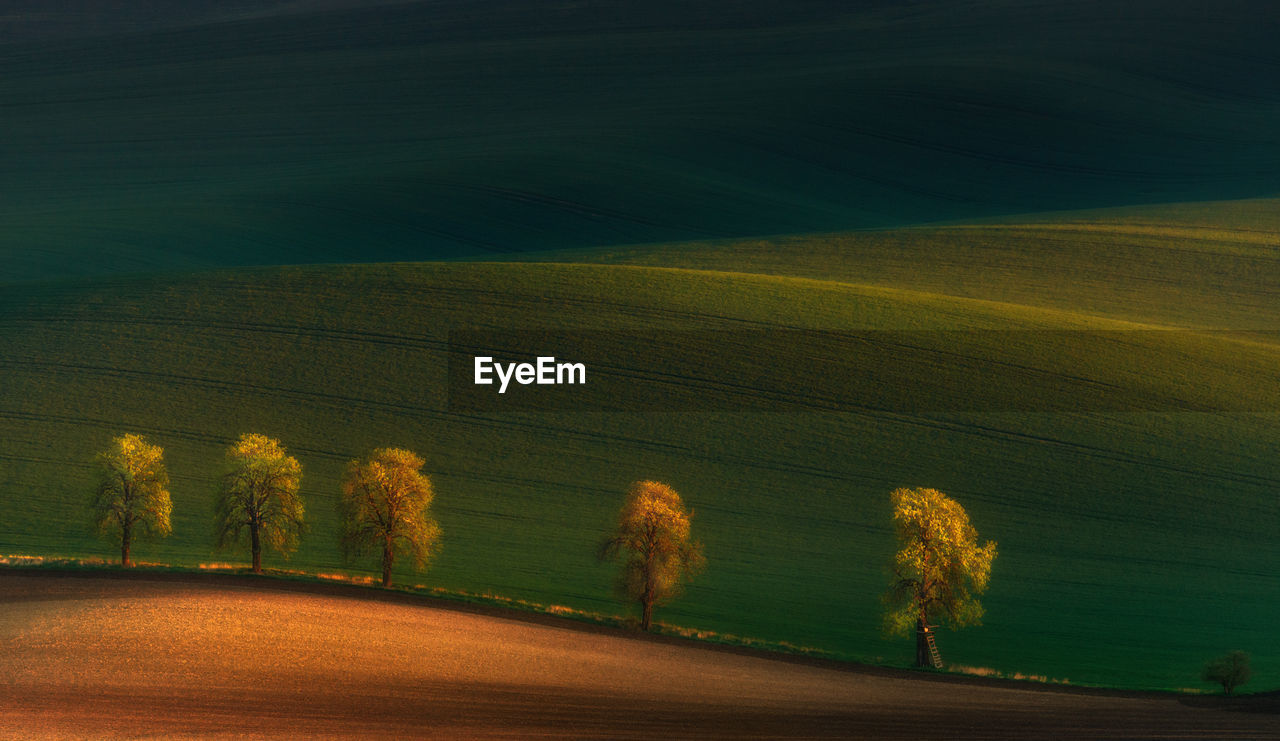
column 385, row 506
column 259, row 496
column 653, row 539
column 131, row 498
column 939, row 569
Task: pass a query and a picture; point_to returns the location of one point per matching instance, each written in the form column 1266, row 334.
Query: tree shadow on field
column 1263, row 702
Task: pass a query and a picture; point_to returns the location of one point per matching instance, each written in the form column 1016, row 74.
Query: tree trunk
column 126, row 540
column 388, row 558
column 650, row 591
column 922, row 645
column 256, row 542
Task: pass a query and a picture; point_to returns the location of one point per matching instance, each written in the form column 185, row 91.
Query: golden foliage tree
column 653, row 539
column 385, row 506
column 939, row 569
column 131, row 498
column 259, row 495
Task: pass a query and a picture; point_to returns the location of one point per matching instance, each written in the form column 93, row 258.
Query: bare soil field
column 94, row 656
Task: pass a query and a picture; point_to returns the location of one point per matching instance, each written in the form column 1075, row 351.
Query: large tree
column 131, row 498
column 939, row 568
column 653, row 539
column 259, row 496
column 1230, row 671
column 385, row 506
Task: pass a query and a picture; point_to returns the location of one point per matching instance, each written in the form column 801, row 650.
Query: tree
column 1230, row 671
column 938, row 571
column 385, row 505
column 653, row 539
column 259, row 494
column 132, row 495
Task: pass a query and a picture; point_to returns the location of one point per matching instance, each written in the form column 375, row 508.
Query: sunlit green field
column 1209, row 265
column 1133, row 545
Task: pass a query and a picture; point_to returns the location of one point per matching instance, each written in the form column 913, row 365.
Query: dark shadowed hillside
column 333, row 131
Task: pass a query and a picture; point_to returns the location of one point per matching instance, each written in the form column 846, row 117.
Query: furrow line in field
column 985, row 431
column 624, row 309
column 349, row 335
column 113, row 425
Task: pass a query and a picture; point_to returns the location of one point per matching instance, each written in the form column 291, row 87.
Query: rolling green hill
column 203, row 134
column 1209, row 265
column 1136, row 537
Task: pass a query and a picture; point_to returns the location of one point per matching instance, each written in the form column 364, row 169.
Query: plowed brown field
column 166, row 656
